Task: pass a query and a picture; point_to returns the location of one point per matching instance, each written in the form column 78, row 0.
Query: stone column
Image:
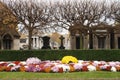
column 94, row 41
column 85, row 41
column 116, row 41
column 33, row 42
column 37, row 42
column 107, row 42
column 72, row 41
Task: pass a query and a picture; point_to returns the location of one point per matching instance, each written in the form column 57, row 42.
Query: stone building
column 100, row 37
column 9, row 37
column 37, row 41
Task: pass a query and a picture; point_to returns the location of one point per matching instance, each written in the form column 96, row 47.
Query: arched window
column 7, row 42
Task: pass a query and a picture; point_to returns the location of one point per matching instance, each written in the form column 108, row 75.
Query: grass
column 81, row 75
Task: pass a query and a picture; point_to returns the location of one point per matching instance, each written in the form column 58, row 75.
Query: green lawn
column 82, row 75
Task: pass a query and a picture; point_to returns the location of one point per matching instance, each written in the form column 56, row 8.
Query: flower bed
column 36, row 65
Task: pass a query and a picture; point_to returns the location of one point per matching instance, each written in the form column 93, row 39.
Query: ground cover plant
column 67, row 64
column 69, row 67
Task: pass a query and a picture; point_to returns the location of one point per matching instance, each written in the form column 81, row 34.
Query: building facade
column 9, row 37
column 99, row 37
column 37, row 41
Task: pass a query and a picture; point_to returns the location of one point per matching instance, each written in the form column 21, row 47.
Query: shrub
column 22, row 55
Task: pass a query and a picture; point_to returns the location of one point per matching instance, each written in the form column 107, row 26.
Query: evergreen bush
column 21, row 55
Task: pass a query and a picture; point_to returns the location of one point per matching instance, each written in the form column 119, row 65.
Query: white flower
column 113, row 69
column 80, row 61
column 22, row 63
column 96, row 63
column 91, row 68
column 11, row 64
column 65, row 67
column 15, row 68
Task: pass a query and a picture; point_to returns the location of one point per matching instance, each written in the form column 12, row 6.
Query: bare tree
column 83, row 14
column 30, row 13
column 114, row 11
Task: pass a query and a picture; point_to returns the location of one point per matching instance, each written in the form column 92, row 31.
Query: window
column 22, row 40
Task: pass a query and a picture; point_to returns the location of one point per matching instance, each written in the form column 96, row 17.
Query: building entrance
column 77, row 42
column 118, row 42
column 7, row 42
column 101, row 42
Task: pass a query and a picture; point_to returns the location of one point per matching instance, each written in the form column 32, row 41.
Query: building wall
column 16, row 44
column 116, row 40
column 95, row 42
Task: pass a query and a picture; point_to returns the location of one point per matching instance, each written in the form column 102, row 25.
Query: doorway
column 101, row 42
column 118, row 42
column 77, row 42
column 7, row 42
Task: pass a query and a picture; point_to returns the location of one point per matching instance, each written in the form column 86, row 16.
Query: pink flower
column 55, row 68
column 33, row 60
column 112, row 64
column 78, row 66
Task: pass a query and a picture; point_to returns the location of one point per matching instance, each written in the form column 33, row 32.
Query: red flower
column 108, row 68
column 16, row 62
column 8, row 69
column 3, row 64
column 84, row 68
column 60, row 70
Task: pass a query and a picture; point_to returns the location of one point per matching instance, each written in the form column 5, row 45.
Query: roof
column 13, row 32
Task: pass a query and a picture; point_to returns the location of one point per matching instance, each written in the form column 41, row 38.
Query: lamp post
column 61, row 46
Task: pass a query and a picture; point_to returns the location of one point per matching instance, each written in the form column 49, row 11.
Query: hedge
column 21, row 55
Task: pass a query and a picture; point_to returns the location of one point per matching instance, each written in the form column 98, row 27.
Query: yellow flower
column 69, row 59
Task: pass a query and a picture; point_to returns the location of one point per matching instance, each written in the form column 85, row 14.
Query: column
column 116, row 41
column 72, row 40
column 37, row 42
column 33, row 42
column 107, row 42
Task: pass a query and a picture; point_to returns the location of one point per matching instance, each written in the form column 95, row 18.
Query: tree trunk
column 30, row 39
